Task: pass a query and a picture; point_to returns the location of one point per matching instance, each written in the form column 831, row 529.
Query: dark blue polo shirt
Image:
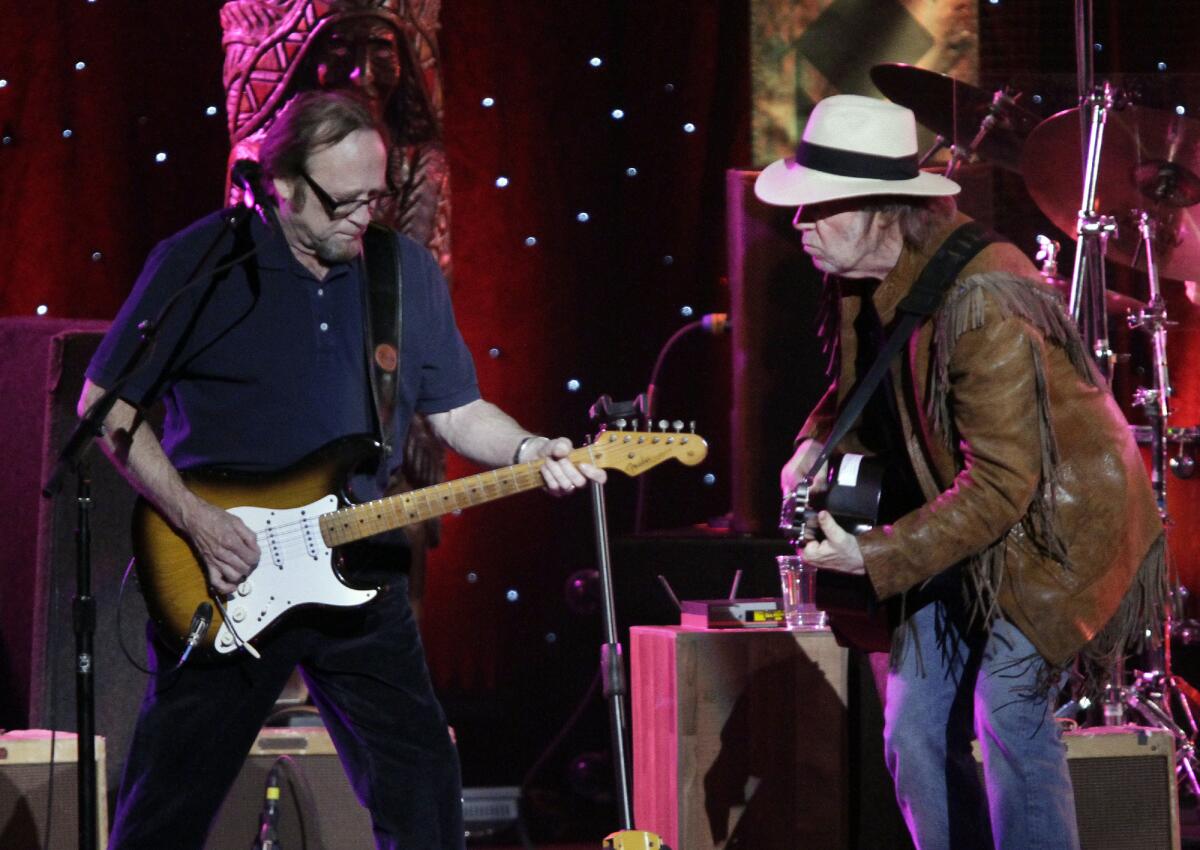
column 270, row 363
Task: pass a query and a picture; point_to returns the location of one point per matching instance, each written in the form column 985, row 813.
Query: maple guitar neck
column 629, row 452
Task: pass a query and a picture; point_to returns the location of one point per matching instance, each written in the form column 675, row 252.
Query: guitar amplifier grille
column 1123, row 802
column 1124, row 783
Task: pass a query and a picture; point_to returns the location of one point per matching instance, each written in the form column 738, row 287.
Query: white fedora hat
column 853, row 146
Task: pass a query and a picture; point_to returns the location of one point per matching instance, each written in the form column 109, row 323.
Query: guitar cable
column 120, row 631
column 199, row 625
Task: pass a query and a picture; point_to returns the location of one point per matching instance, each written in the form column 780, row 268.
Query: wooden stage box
column 740, row 737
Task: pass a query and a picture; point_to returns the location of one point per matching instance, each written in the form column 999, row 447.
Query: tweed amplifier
column 26, row 786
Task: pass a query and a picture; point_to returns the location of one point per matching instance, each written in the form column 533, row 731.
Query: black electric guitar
column 299, row 521
column 852, row 492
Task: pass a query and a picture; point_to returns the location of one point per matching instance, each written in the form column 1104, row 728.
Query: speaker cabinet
column 1124, row 783
column 1124, row 780
column 27, row 785
column 779, row 370
column 317, row 808
column 40, row 384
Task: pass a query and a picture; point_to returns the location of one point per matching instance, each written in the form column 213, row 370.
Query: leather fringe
column 965, row 310
column 1137, row 622
column 1136, row 627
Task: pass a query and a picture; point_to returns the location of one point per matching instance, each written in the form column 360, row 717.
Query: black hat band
column 854, row 164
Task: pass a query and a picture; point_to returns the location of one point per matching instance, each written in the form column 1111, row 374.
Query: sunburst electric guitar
column 299, row 520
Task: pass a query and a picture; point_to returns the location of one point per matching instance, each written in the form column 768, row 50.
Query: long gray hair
column 919, row 218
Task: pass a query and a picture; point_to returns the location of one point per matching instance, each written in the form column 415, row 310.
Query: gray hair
column 919, row 218
column 310, row 122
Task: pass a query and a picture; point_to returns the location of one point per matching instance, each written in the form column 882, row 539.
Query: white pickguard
column 296, row 568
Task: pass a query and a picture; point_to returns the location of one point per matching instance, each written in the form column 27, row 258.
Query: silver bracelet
column 521, row 447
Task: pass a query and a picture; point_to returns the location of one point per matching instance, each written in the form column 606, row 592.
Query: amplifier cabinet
column 1124, row 783
column 318, row 808
column 1125, row 796
column 25, row 789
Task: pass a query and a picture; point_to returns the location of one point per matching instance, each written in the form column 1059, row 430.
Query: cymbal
column 1149, row 160
column 955, row 110
column 1115, row 303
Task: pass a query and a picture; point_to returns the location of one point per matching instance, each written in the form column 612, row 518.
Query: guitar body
column 281, row 508
column 852, row 496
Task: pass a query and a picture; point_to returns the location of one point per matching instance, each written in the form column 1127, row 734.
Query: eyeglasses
column 344, row 209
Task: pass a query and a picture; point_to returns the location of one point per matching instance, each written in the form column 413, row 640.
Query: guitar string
column 290, row 532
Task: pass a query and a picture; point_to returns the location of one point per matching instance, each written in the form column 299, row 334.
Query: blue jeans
column 954, row 683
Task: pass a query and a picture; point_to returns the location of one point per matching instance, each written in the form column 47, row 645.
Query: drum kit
column 1123, row 181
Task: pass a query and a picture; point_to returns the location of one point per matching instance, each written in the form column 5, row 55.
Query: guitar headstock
column 633, row 452
column 793, row 513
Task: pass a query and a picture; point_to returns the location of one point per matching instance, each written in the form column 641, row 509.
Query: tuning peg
column 692, row 426
column 621, row 424
column 677, row 425
column 662, row 424
column 635, row 424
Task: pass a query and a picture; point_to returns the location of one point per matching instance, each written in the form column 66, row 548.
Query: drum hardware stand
column 1151, row 693
column 1086, row 304
column 1155, row 401
column 1001, row 99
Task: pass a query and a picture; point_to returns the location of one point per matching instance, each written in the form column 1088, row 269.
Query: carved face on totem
column 359, row 55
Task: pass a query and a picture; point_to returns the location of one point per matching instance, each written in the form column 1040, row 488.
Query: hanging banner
column 804, row 50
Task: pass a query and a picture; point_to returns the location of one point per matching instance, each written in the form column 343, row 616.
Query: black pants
column 365, row 668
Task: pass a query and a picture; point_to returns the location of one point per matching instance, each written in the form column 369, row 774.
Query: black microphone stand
column 91, row 426
column 612, row 659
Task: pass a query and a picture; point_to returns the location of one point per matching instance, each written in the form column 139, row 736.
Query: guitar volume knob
column 238, row 614
column 244, row 588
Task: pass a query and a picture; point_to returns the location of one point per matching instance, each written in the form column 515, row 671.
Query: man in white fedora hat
column 1018, row 531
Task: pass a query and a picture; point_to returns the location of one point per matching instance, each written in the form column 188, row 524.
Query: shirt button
column 324, row 326
column 320, row 292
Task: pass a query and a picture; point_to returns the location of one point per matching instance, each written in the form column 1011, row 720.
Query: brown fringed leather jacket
column 1030, row 475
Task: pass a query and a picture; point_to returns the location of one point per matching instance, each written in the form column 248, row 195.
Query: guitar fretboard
column 370, row 518
column 631, row 452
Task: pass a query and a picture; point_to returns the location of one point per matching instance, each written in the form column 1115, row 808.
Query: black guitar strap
column 922, row 300
column 382, row 322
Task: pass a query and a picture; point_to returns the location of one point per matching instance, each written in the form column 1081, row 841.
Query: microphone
column 247, row 175
column 201, row 620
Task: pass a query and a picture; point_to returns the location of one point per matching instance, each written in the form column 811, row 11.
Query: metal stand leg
column 612, row 663
column 84, row 614
column 1087, row 280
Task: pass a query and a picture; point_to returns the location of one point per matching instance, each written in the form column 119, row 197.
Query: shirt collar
column 275, row 253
